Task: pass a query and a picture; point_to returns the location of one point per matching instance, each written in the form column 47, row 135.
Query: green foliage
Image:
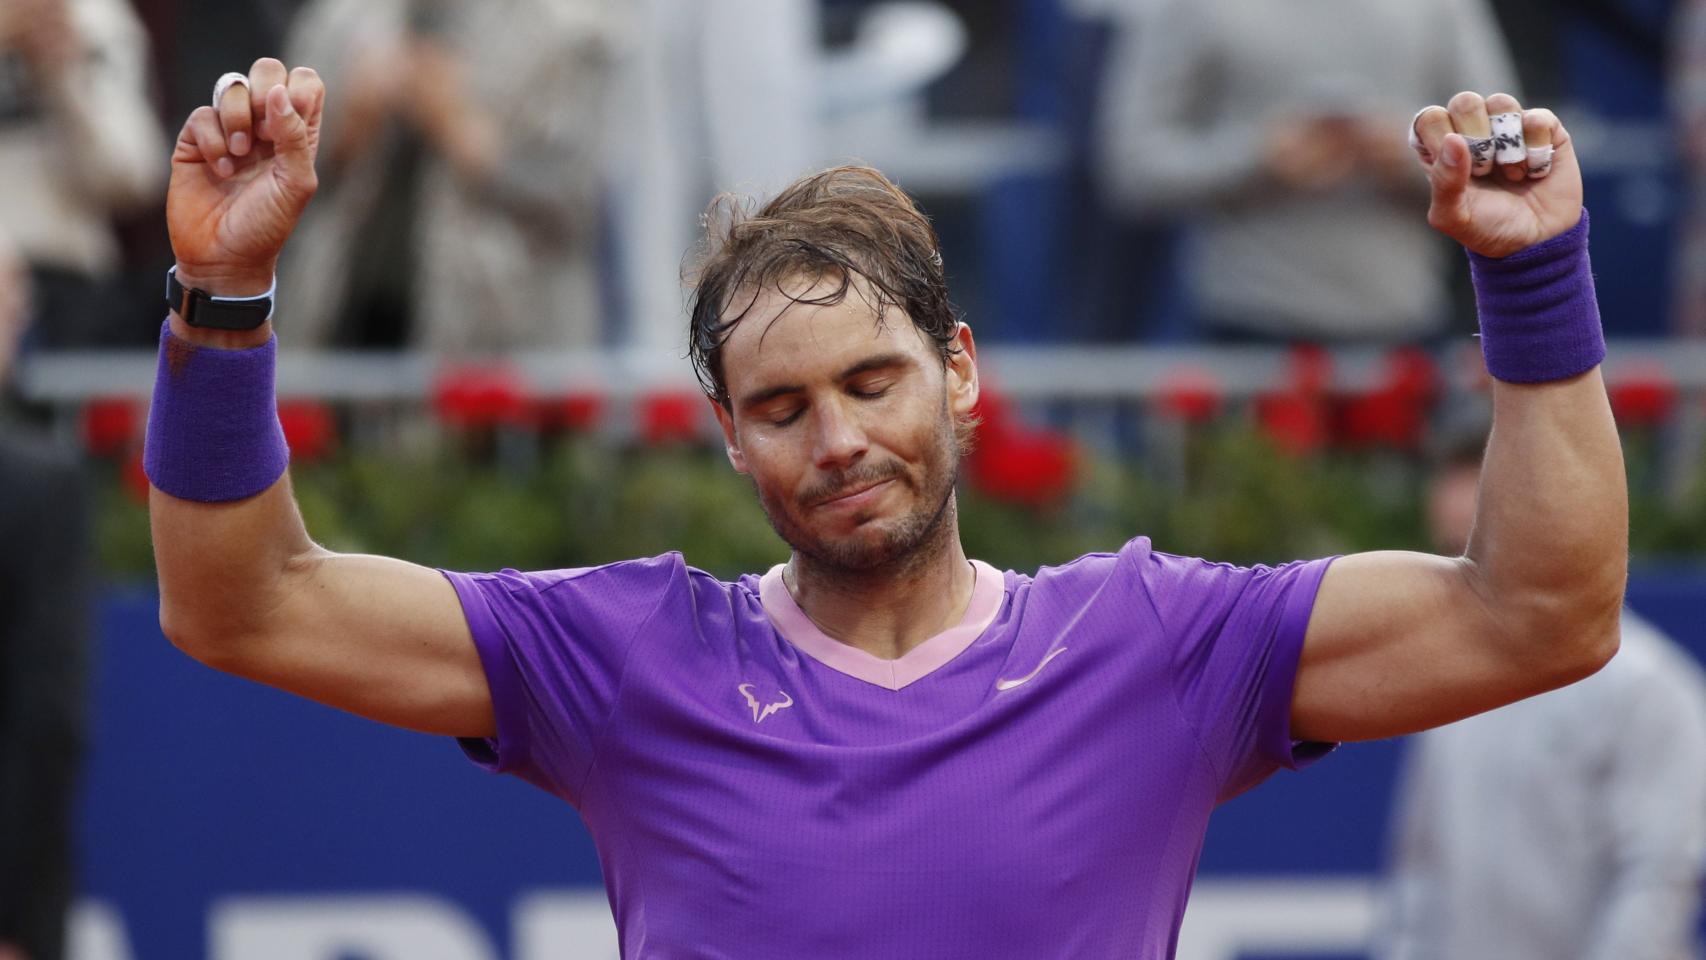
column 1225, row 493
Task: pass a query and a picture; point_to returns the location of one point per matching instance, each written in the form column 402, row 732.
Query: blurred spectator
column 698, row 118
column 1571, row 826
column 1688, row 100
column 70, row 163
column 43, row 661
column 1277, row 132
column 460, row 174
column 711, row 97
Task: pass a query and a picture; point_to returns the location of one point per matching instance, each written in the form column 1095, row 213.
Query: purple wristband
column 213, row 431
column 1539, row 318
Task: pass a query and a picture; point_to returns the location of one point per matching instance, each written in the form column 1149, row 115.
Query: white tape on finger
column 226, row 82
column 1508, row 145
column 1480, row 155
column 1539, row 162
column 1415, row 137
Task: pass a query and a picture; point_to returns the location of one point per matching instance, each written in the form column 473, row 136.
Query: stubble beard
column 905, row 543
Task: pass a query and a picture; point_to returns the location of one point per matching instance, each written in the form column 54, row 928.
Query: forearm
column 1550, row 545
column 223, row 567
column 222, row 564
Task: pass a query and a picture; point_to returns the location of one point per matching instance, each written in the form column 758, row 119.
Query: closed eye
column 870, row 389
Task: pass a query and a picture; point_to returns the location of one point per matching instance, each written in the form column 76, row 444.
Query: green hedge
column 583, row 501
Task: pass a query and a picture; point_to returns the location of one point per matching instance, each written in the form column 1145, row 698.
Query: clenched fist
column 242, row 172
column 1503, row 178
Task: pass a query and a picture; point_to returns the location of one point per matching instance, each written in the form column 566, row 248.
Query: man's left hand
column 1498, row 208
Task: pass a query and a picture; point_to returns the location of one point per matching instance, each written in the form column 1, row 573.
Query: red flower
column 1015, row 463
column 671, row 415
column 1394, row 413
column 1032, row 468
column 1295, row 422
column 1311, row 369
column 1643, row 396
column 135, row 478
column 1191, row 394
column 579, row 412
column 309, row 429
column 482, row 397
column 111, row 425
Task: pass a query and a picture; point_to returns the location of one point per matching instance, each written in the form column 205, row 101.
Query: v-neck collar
column 916, row 664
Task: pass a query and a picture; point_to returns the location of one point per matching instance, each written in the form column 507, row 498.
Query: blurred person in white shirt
column 1266, row 130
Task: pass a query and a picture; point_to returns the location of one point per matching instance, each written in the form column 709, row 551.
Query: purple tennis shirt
column 1034, row 782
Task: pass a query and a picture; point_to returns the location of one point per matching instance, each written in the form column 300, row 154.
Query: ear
column 731, row 446
column 962, row 373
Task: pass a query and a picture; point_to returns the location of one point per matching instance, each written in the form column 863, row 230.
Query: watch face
column 200, row 310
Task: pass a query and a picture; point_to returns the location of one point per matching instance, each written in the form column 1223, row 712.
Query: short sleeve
column 554, row 646
column 1236, row 634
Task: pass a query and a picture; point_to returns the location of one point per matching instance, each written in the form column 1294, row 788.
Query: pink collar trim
column 918, row 663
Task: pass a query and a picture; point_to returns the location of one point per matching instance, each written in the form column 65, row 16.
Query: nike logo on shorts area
column 1027, row 678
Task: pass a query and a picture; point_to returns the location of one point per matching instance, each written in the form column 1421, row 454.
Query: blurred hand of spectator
column 1310, row 229
column 9, row 952
column 373, row 95
column 43, row 32
column 1385, row 155
column 423, row 84
column 1312, row 153
column 442, row 110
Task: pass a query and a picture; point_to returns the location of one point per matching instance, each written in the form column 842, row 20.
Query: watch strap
column 202, row 309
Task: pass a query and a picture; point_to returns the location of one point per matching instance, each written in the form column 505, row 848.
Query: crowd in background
column 507, row 175
column 516, row 174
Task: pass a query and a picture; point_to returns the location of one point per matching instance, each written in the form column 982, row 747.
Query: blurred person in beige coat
column 79, row 144
column 455, row 214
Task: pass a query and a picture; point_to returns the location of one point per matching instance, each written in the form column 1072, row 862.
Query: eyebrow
column 881, row 361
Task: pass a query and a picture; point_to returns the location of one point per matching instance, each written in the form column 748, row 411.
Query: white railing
column 1026, row 373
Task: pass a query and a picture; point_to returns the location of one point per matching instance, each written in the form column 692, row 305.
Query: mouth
column 858, row 496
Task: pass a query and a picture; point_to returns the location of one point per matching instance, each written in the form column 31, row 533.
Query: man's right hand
column 242, row 173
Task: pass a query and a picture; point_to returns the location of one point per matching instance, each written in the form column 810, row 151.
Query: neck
column 890, row 609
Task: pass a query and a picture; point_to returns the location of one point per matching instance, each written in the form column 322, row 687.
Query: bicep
column 1400, row 642
column 378, row 637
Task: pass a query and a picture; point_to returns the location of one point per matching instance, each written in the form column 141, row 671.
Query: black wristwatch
column 202, row 309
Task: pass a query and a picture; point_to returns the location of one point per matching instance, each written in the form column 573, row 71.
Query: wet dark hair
column 847, row 224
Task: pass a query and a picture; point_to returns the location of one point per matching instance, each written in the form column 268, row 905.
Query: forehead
column 783, row 339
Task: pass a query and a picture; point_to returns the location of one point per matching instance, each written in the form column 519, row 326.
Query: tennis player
column 883, row 748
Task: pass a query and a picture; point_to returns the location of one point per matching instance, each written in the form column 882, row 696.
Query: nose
column 839, row 440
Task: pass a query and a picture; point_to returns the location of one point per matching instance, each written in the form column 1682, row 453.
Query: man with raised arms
column 883, row 748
